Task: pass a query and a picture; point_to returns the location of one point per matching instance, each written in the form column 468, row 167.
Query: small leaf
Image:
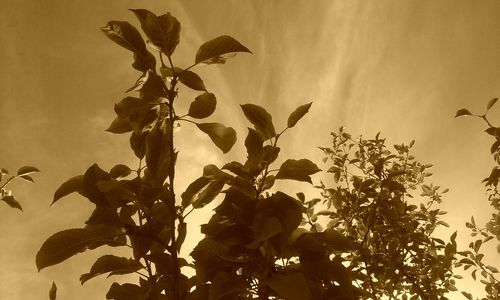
column 119, row 125
column 27, row 170
column 298, row 114
column 213, row 50
column 192, row 80
column 53, row 291
column 120, row 171
column 74, row 184
column 261, row 120
column 202, row 106
column 297, row 170
column 162, row 31
column 222, row 136
column 12, row 202
column 463, row 112
column 67, row 243
column 491, row 103
column 292, row 287
column 111, row 263
column 27, row 178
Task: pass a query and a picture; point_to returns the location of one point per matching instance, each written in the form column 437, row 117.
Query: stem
column 7, row 182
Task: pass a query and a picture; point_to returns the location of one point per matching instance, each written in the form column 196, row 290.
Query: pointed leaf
column 74, row 184
column 162, row 31
column 222, row 136
column 213, row 51
column 208, row 193
column 27, row 170
column 260, row 118
column 193, row 189
column 298, row 114
column 491, row 103
column 463, row 112
column 53, row 291
column 27, row 178
column 119, row 125
column 181, row 235
column 202, row 106
column 192, row 80
column 12, row 202
column 67, row 243
column 292, row 287
column 111, row 263
column 297, row 170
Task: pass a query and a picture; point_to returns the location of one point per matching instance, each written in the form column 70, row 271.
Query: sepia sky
column 399, row 67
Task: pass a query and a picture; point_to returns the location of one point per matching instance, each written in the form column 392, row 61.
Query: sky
column 400, row 67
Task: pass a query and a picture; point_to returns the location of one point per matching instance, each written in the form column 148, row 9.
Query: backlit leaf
column 74, row 184
column 27, row 178
column 202, row 106
column 67, row 243
column 138, row 144
column 214, row 50
column 181, row 235
column 120, row 171
column 222, row 136
column 298, row 114
column 194, row 188
column 192, row 80
column 291, row 287
column 53, row 291
column 297, row 170
column 208, row 193
column 491, row 103
column 26, row 170
column 111, row 263
column 463, row 112
column 119, row 125
column 260, row 118
column 254, row 146
column 12, row 202
column 126, row 291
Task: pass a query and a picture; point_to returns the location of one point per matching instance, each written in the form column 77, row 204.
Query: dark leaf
column 149, row 84
column 126, row 291
column 254, row 145
column 236, row 168
column 208, row 193
column 291, row 287
column 491, row 103
column 119, row 125
column 27, row 170
column 297, row 170
column 192, row 80
column 138, row 144
column 27, row 178
column 162, row 31
column 202, row 106
column 181, row 235
column 92, row 176
column 261, row 120
column 74, row 184
column 67, row 243
column 298, row 114
column 225, row 284
column 494, row 131
column 120, row 171
column 12, row 202
column 53, row 291
column 222, row 136
column 463, row 112
column 337, row 241
column 193, row 189
column 111, row 263
column 214, row 50
column 270, row 154
column 158, row 152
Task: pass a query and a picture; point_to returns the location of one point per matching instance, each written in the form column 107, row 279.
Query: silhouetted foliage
column 7, row 195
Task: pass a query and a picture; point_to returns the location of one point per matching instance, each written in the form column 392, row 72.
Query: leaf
column 74, row 184
column 129, row 37
column 491, row 103
column 119, row 125
column 192, row 80
column 181, row 235
column 202, row 106
column 162, row 31
column 158, row 152
column 53, row 291
column 126, row 291
column 291, row 287
column 297, row 170
column 26, row 170
column 254, row 145
column 468, row 295
column 66, row 243
column 208, row 193
column 120, row 171
column 261, row 120
column 138, row 144
column 463, row 112
column 298, row 114
column 27, row 178
column 222, row 136
column 193, row 189
column 225, row 284
column 212, row 52
column 113, row 264
column 337, row 241
column 12, row 202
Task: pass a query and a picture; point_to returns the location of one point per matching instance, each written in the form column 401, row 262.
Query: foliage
column 473, row 258
column 6, row 195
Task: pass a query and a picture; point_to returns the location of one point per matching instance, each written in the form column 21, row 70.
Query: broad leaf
column 193, row 189
column 222, row 136
column 27, row 170
column 92, row 176
column 126, row 291
column 491, row 103
column 12, row 202
column 260, row 118
column 297, row 170
column 74, row 184
column 463, row 112
column 298, row 114
column 208, row 193
column 119, row 125
column 138, row 144
column 120, row 171
column 110, row 263
column 53, row 291
column 291, row 287
column 162, row 31
column 192, row 80
column 214, row 50
column 202, row 106
column 67, row 243
column 226, row 284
